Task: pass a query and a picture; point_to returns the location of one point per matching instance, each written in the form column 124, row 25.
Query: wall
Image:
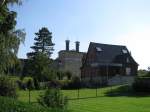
column 71, row 61
column 104, row 80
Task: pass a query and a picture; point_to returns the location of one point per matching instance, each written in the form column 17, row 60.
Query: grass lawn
column 103, row 103
column 111, row 104
column 23, row 95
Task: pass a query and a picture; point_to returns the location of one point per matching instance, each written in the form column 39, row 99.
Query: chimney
column 77, row 46
column 67, row 45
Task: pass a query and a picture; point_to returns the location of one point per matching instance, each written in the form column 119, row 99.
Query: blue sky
column 124, row 22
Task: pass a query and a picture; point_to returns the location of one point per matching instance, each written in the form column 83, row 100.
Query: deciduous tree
column 10, row 38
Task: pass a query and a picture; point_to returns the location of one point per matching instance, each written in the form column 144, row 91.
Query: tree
column 43, row 43
column 10, row 38
column 39, row 67
column 30, row 86
column 68, row 74
column 39, row 60
column 7, row 87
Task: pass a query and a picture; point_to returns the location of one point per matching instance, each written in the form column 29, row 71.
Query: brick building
column 108, row 65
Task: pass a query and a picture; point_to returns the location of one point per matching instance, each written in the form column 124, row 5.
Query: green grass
column 117, row 103
column 71, row 94
column 111, row 104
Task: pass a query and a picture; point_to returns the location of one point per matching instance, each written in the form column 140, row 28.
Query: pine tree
column 43, row 43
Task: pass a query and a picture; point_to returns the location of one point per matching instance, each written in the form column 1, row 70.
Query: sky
column 120, row 22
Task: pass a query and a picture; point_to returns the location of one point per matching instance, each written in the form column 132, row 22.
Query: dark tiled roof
column 107, row 53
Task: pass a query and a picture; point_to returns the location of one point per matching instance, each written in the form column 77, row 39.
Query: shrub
column 141, row 85
column 11, row 105
column 65, row 84
column 7, row 87
column 53, row 98
column 36, row 84
column 25, row 82
column 54, row 84
column 30, row 84
column 75, row 83
column 68, row 74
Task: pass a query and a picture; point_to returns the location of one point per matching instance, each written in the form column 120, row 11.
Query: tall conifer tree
column 43, row 43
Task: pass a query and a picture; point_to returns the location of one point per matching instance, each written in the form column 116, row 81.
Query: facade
column 70, row 60
column 107, row 64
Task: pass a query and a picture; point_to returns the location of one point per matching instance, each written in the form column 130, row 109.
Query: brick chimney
column 67, row 45
column 77, row 46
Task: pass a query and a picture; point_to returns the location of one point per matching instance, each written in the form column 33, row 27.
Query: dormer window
column 124, row 51
column 98, row 49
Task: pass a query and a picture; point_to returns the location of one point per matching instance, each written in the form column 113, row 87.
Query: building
column 70, row 60
column 106, row 64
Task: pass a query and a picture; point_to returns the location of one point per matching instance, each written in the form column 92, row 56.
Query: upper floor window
column 124, row 51
column 98, row 49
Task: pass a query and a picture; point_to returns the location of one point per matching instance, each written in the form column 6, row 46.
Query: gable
column 105, row 53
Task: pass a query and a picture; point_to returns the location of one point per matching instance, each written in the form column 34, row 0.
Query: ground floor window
column 128, row 71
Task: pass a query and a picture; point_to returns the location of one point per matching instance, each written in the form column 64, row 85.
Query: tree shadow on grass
column 125, row 90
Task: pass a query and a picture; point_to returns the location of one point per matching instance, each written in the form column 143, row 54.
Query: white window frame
column 128, row 71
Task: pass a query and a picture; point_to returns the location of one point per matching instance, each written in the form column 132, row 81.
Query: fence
column 77, row 93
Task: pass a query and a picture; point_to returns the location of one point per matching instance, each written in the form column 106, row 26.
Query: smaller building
column 70, row 60
column 106, row 64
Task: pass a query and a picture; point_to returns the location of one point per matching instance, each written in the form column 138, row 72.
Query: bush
column 53, row 98
column 75, row 83
column 142, row 85
column 65, row 84
column 11, row 105
column 7, row 87
column 54, row 84
column 25, row 82
column 36, row 84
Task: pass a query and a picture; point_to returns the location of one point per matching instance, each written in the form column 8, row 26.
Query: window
column 124, row 51
column 128, row 71
column 98, row 49
column 128, row 60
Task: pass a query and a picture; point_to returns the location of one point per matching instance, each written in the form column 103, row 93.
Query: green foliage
column 14, row 78
column 142, row 73
column 39, row 60
column 7, row 87
column 28, row 83
column 65, row 83
column 60, row 75
column 68, row 74
column 11, row 105
column 63, row 74
column 53, row 98
column 142, row 84
column 43, row 43
column 10, row 38
column 36, row 84
column 39, row 67
column 75, row 83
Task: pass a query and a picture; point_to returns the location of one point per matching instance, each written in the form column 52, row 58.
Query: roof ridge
column 107, row 44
